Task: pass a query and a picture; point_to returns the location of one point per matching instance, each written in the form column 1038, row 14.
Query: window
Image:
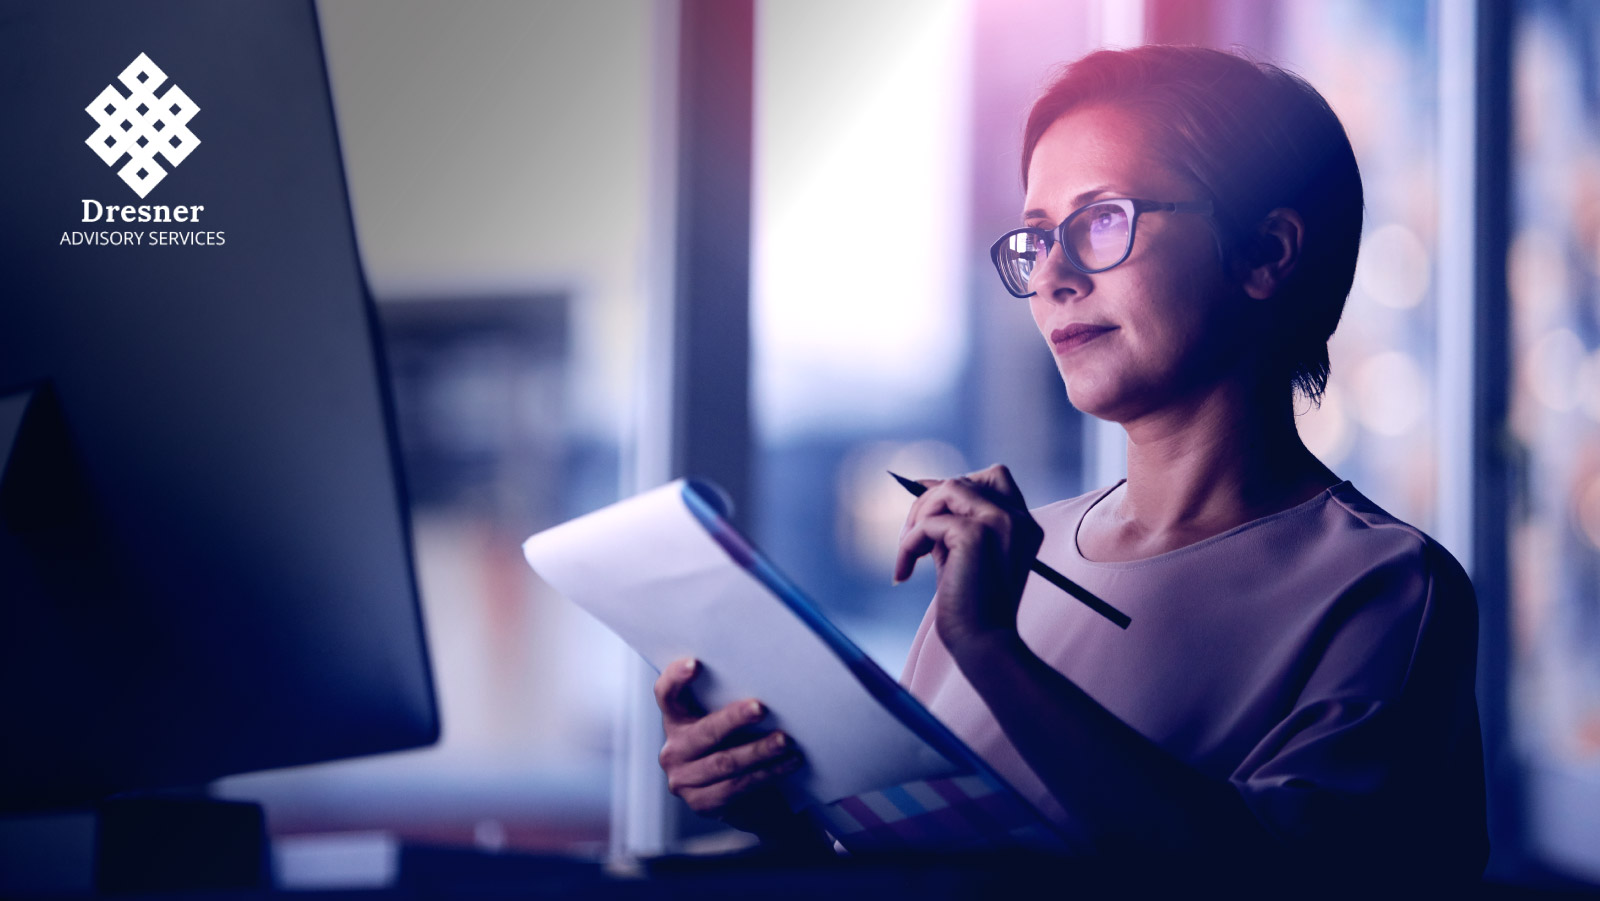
column 1554, row 284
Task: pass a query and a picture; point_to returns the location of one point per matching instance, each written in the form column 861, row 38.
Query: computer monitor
column 204, row 554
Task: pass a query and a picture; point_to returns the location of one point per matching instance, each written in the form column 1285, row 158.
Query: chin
column 1091, row 395
column 1104, row 398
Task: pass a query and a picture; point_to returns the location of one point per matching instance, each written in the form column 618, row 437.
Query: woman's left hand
column 983, row 541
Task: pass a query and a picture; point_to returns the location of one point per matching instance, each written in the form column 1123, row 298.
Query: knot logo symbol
column 142, row 125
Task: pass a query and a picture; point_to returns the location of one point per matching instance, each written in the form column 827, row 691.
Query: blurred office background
column 515, row 172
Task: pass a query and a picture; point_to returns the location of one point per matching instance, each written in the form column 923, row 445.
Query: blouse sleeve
column 1380, row 761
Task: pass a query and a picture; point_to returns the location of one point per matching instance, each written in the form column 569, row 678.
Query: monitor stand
column 52, row 547
column 160, row 844
column 41, row 486
column 58, row 585
column 148, row 843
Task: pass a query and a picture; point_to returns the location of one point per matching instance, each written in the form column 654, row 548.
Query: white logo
column 142, row 124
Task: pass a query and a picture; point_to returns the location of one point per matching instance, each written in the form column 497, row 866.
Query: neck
column 1216, row 461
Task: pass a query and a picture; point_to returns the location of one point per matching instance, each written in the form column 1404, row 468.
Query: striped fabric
column 952, row 812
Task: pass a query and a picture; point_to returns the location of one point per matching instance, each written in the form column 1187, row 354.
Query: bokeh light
column 1536, row 275
column 1391, row 392
column 1589, row 386
column 872, row 506
column 1588, row 510
column 1394, row 268
column 1551, row 369
column 1327, row 430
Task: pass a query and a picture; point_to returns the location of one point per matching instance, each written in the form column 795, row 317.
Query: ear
column 1274, row 254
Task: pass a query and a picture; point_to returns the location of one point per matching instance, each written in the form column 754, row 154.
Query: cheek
column 1182, row 299
column 1154, row 309
column 1190, row 327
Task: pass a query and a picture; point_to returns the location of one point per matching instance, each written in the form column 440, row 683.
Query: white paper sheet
column 648, row 570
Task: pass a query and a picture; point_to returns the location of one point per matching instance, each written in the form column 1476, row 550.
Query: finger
column 727, row 764
column 998, row 478
column 698, row 738
column 945, row 531
column 914, row 544
column 918, row 503
column 960, row 496
column 713, row 799
column 920, row 510
column 925, row 503
column 965, row 497
column 930, row 503
column 936, row 502
column 979, row 488
column 677, row 703
column 950, row 532
column 1013, row 526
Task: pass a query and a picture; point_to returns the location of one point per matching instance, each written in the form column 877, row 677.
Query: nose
column 1058, row 279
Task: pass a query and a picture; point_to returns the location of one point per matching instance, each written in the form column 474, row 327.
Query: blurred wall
column 495, row 145
column 499, row 159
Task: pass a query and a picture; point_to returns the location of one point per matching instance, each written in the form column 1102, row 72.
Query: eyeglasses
column 1095, row 238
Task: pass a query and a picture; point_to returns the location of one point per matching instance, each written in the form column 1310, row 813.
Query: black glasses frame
column 1053, row 236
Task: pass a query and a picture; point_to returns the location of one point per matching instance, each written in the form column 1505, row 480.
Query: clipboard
column 668, row 573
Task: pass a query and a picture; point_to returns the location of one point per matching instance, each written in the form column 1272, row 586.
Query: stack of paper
column 669, row 574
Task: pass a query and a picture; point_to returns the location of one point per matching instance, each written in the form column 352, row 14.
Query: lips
column 1076, row 335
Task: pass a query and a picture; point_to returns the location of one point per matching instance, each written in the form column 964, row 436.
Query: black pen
column 1117, row 617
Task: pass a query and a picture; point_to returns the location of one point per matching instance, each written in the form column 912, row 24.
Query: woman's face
column 1164, row 325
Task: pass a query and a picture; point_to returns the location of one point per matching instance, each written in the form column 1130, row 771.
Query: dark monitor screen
column 204, row 557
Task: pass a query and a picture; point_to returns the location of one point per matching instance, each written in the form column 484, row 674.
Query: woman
column 1298, row 679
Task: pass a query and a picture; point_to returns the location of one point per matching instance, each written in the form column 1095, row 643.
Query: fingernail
column 896, row 582
column 780, row 741
column 754, row 709
column 689, row 666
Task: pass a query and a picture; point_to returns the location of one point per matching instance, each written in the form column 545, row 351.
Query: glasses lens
column 1098, row 235
column 1020, row 257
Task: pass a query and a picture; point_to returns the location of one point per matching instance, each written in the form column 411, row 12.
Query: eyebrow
column 1077, row 201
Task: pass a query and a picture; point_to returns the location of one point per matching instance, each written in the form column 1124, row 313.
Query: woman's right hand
column 731, row 780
